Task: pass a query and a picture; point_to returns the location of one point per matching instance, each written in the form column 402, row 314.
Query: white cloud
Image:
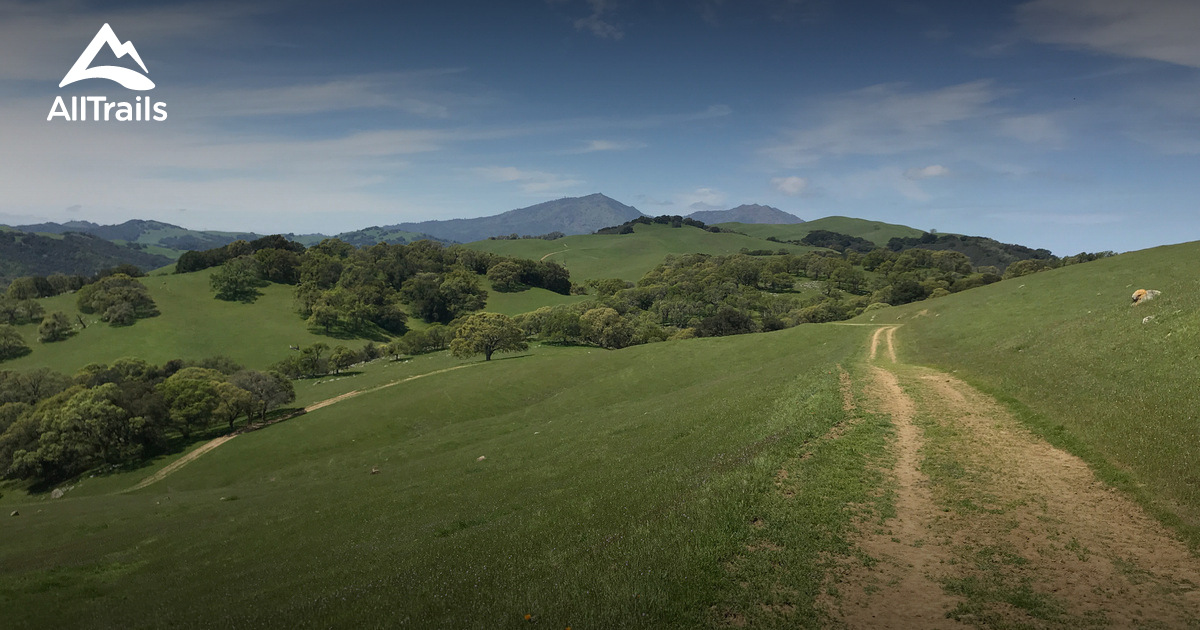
column 533, row 182
column 882, row 120
column 1164, row 30
column 596, row 146
column 406, row 92
column 1034, row 129
column 599, row 22
column 933, row 170
column 888, row 179
column 790, row 185
column 703, row 199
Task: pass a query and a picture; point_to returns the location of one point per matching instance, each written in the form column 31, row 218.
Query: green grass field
column 193, row 325
column 628, row 256
column 619, row 489
column 1112, row 382
column 877, row 232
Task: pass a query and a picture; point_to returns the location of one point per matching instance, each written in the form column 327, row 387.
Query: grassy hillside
column 877, row 232
column 628, row 256
column 192, row 324
column 619, row 489
column 1113, row 382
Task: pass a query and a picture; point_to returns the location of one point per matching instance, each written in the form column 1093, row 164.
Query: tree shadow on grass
column 509, row 357
column 368, row 333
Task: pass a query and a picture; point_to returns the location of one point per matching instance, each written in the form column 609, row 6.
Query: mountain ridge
column 747, row 213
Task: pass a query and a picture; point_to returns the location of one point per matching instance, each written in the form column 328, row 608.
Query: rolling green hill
column 614, row 493
column 1113, row 382
column 876, row 231
column 192, row 324
column 628, row 256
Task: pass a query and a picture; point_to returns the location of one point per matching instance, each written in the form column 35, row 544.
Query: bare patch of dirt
column 1086, row 547
column 902, row 587
column 996, row 528
column 847, row 390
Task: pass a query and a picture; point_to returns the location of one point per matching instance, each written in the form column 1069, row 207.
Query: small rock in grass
column 15, row 513
column 374, row 470
column 480, row 458
column 57, row 494
column 1147, row 319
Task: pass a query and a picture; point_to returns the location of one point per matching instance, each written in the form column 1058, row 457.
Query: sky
column 1071, row 125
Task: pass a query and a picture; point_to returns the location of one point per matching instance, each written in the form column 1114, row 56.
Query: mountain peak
column 569, row 215
column 746, row 213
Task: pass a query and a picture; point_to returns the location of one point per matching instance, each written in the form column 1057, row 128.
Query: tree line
column 341, row 289
column 54, row 427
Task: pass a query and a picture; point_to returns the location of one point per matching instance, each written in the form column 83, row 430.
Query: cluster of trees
column 836, row 241
column 703, row 295
column 119, row 299
column 515, row 237
column 30, row 287
column 53, row 427
column 278, row 265
column 342, row 289
column 674, row 221
column 319, row 359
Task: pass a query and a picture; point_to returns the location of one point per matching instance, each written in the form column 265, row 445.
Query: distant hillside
column 630, row 256
column 746, row 213
column 372, row 235
column 877, row 232
column 146, row 233
column 980, row 249
column 571, row 215
column 25, row 254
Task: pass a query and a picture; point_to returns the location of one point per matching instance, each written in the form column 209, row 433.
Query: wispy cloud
column 600, row 22
column 703, row 199
column 40, row 40
column 1164, row 30
column 933, row 170
column 1034, row 129
column 532, row 182
column 408, row 92
column 882, row 120
column 890, row 180
column 790, row 185
column 597, row 146
column 1051, row 218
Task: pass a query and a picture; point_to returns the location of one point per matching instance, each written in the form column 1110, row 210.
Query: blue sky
column 1066, row 124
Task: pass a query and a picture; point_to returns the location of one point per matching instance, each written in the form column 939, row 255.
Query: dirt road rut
column 995, row 528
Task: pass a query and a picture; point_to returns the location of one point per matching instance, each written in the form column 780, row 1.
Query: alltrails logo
column 142, row 108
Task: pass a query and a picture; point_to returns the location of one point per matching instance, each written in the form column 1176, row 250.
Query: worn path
column 212, row 444
column 996, row 528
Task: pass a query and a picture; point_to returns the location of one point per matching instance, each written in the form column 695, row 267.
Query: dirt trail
column 996, row 528
column 565, row 248
column 210, row 445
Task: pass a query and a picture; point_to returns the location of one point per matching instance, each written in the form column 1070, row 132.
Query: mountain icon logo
column 128, row 78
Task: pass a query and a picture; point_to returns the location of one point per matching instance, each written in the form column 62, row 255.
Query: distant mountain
column 145, row 233
column 571, row 215
column 25, row 254
column 746, row 213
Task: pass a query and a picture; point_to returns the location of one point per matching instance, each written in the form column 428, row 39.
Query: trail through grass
column 995, row 528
